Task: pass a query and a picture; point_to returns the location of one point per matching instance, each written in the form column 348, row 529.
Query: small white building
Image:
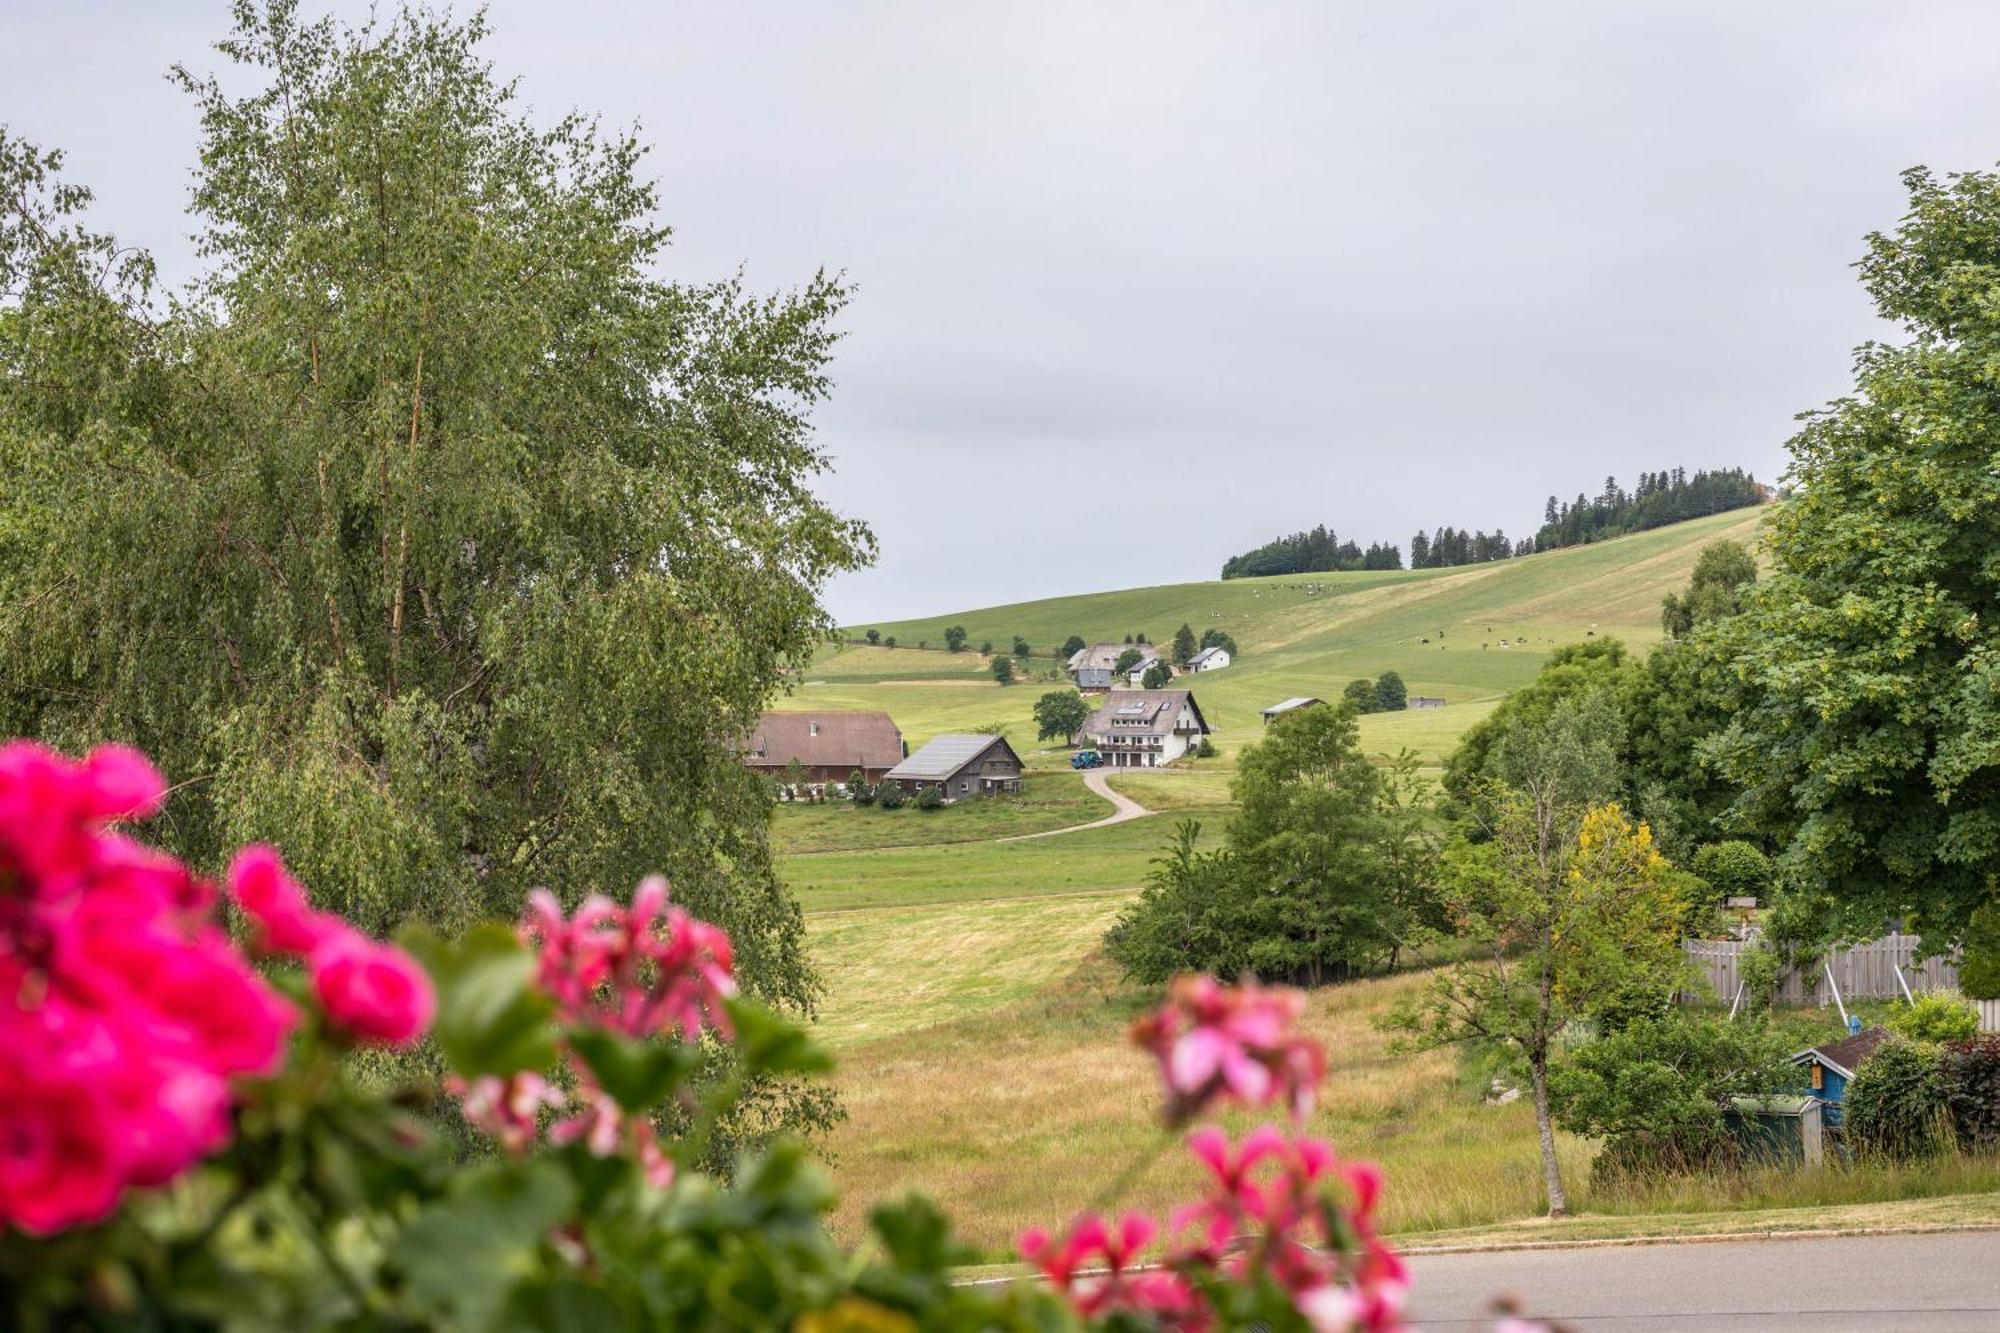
column 1209, row 659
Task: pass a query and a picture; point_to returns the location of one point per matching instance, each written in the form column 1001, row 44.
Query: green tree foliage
column 891, row 796
column 1073, row 645
column 1003, row 669
column 1935, row 1017
column 1662, row 497
column 954, row 638
column 889, row 641
column 1569, row 906
column 931, row 797
column 1128, row 659
column 1658, row 1090
column 1734, row 869
column 432, row 534
column 986, row 648
column 1215, row 638
column 874, row 637
column 1326, row 871
column 1598, row 665
column 1318, row 551
column 1391, row 695
column 1185, row 646
column 1158, row 676
column 1897, row 1105
column 1021, row 648
column 1867, row 730
column 1723, row 573
column 1359, row 692
column 1059, row 714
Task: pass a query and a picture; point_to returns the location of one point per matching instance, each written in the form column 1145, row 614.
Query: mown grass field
column 1047, row 801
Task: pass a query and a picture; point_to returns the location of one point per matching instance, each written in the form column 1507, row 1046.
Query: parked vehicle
column 1086, row 759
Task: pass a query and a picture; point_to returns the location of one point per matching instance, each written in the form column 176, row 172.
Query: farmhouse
column 1280, row 709
column 1145, row 728
column 1213, row 658
column 961, row 766
column 828, row 746
column 1425, row 701
column 1095, row 667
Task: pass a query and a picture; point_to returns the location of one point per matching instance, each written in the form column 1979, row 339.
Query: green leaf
column 637, row 1075
column 491, row 1019
column 463, row 1256
column 770, row 1044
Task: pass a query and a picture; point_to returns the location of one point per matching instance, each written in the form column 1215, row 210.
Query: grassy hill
column 1441, row 629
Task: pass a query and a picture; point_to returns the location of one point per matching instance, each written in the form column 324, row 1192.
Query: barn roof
column 824, row 739
column 945, row 755
column 1301, row 701
column 1845, row 1056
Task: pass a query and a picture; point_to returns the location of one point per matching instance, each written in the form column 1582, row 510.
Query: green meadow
column 1307, row 634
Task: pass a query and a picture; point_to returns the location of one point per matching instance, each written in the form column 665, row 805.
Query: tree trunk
column 1538, row 1072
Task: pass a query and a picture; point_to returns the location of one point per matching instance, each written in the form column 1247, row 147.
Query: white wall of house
column 1215, row 661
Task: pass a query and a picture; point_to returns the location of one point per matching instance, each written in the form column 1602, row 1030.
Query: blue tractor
column 1086, row 759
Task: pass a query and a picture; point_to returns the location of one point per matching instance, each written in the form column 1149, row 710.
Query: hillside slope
column 1305, row 634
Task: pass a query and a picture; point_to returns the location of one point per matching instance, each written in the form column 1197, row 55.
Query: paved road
column 1124, row 808
column 1864, row 1284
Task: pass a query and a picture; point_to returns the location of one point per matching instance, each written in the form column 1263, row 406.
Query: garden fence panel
column 1860, row 971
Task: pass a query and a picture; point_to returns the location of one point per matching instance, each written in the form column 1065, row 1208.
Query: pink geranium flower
column 1231, row 1043
column 374, row 992
column 276, row 904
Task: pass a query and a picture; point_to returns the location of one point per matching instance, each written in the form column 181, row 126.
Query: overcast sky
column 1143, row 285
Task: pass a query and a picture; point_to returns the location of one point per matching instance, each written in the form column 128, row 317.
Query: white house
column 1209, row 659
column 1145, row 728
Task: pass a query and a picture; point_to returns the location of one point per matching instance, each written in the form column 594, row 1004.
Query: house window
column 963, row 786
column 814, row 728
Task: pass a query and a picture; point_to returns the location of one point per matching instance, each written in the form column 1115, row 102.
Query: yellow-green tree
column 1570, row 908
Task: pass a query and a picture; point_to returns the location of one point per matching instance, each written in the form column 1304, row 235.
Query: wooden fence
column 1861, row 971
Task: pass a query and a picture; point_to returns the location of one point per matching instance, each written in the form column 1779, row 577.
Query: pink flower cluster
column 125, row 1011
column 372, row 993
column 1231, row 1043
column 626, row 969
column 1279, row 1206
column 639, row 971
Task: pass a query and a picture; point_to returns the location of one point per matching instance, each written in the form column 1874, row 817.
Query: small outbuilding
column 961, row 765
column 1212, row 658
column 1278, row 710
column 1096, row 667
column 1830, row 1068
column 1425, row 701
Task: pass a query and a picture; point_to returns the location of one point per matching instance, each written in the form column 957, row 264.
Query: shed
column 1280, row 709
column 961, row 765
column 1830, row 1067
column 1426, row 701
column 1785, row 1130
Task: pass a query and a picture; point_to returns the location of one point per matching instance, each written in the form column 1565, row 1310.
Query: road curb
column 1705, row 1238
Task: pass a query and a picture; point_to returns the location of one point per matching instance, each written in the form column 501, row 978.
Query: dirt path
column 1123, row 808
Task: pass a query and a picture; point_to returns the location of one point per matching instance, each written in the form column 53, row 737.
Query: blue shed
column 1830, row 1068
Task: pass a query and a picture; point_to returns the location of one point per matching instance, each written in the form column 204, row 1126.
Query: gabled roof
column 1300, row 701
column 1206, row 653
column 1142, row 713
column 946, row 755
column 823, row 740
column 1104, row 656
column 1845, row 1056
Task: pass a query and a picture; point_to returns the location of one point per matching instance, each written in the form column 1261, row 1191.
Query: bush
column 1896, row 1105
column 931, row 797
column 1205, row 750
column 1391, row 695
column 1361, row 693
column 890, row 796
column 1734, row 869
column 1759, row 969
column 1936, row 1017
column 1972, row 1090
column 1657, row 1092
column 1157, row 676
column 1003, row 670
